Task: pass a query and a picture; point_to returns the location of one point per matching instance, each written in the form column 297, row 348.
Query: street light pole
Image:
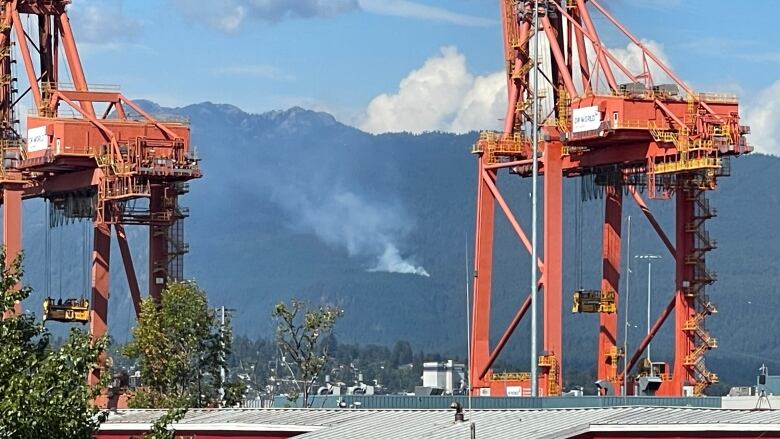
column 649, row 259
column 625, row 328
column 534, row 214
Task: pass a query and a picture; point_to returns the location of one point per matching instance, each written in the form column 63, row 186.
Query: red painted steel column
column 553, row 253
column 127, row 261
column 602, row 59
column 74, row 61
column 98, row 316
column 158, row 244
column 582, row 54
column 610, row 279
column 24, row 50
column 483, row 271
column 12, row 226
column 560, row 60
column 684, row 306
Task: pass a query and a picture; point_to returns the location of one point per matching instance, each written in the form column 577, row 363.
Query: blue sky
column 340, row 55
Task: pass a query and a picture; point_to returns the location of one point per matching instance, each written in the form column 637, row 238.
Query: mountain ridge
column 295, row 203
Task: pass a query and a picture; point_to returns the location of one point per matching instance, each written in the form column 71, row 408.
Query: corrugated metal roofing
column 440, row 424
column 287, row 417
column 542, row 424
column 497, row 402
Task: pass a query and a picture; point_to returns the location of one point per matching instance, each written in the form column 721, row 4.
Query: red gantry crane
column 621, row 131
column 90, row 152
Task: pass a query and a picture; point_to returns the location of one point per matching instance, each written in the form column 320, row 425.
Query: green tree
column 43, row 390
column 161, row 427
column 402, row 353
column 300, row 333
column 180, row 349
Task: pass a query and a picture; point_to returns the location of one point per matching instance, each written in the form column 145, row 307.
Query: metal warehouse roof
column 300, row 420
column 435, row 424
column 543, row 424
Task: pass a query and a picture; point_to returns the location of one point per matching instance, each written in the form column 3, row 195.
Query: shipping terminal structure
column 629, row 133
column 626, row 131
column 92, row 154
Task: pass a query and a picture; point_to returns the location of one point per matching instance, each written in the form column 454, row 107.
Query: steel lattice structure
column 89, row 164
column 623, row 132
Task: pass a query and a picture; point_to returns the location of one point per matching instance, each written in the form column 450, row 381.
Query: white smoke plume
column 392, row 262
column 342, row 218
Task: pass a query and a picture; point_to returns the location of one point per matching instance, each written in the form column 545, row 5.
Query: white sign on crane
column 37, row 139
column 585, row 119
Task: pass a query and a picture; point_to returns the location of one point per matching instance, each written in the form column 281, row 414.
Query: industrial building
column 611, row 422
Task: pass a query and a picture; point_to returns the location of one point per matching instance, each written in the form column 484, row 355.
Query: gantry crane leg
column 12, row 226
column 610, row 281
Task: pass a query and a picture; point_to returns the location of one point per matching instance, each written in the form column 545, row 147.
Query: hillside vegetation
column 294, row 203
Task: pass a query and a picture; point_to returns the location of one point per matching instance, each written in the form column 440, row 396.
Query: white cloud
column 632, row 57
column 222, row 15
column 103, row 23
column 405, row 8
column 483, row 105
column 230, row 15
column 444, row 95
column 762, row 115
column 262, row 71
column 441, row 95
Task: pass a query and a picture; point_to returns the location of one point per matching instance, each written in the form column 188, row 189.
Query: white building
column 446, row 375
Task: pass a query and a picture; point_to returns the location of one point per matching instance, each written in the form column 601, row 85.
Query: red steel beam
column 491, row 184
column 610, row 278
column 641, row 46
column 600, row 51
column 64, row 182
column 140, row 111
column 552, row 37
column 12, row 227
column 127, row 261
column 653, row 222
column 483, row 272
column 582, row 54
column 659, row 322
column 74, row 61
column 553, row 255
column 158, row 245
column 98, row 316
column 27, row 60
column 506, row 336
column 91, row 96
column 511, row 164
column 684, row 306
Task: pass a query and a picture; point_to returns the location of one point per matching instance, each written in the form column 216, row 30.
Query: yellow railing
column 511, row 376
column 67, row 86
column 721, row 130
column 564, row 109
column 632, row 124
column 688, row 165
column 692, row 109
column 495, row 144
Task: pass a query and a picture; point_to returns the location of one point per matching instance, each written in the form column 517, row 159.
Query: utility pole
column 534, row 213
column 222, row 358
column 625, row 319
column 649, row 259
